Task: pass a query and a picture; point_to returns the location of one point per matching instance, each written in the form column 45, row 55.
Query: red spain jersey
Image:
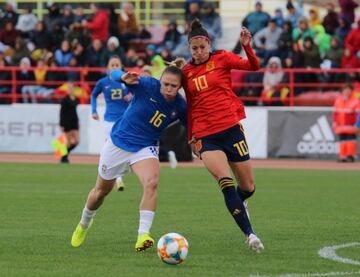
column 212, row 104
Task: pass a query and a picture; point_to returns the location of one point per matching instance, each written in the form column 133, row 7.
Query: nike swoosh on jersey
column 153, row 100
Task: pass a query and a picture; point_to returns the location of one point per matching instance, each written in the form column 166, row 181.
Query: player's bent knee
column 150, row 184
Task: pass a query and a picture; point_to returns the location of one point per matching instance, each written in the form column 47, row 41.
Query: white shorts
column 115, row 162
column 107, row 128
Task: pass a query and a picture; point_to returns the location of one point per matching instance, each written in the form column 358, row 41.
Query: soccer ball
column 172, row 248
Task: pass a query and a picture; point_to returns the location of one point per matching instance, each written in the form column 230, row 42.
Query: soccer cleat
column 172, row 159
column 144, row 242
column 119, row 185
column 246, row 209
column 79, row 235
column 254, row 243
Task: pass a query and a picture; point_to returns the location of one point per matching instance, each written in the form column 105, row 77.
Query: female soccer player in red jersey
column 214, row 112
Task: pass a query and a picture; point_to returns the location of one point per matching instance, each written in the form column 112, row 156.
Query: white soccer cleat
column 172, row 159
column 254, row 243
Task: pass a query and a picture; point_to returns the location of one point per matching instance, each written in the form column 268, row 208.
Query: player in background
column 214, row 112
column 344, row 120
column 117, row 98
column 69, row 121
column 134, row 143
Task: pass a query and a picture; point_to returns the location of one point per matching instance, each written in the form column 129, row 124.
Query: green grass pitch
column 295, row 212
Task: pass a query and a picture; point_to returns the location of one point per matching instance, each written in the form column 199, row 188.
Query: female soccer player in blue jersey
column 134, row 143
column 117, row 98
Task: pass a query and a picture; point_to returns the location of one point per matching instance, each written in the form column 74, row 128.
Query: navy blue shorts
column 230, row 141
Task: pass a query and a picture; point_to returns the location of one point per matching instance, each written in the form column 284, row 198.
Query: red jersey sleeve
column 236, row 62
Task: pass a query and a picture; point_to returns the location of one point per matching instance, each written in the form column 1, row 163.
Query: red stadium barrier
column 306, row 87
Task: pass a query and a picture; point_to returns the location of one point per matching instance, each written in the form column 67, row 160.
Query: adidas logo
column 319, row 139
column 236, row 212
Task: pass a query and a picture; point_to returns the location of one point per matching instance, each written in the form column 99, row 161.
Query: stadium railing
column 303, row 87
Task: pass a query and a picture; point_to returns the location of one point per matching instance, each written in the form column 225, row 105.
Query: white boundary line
column 345, row 273
column 329, row 252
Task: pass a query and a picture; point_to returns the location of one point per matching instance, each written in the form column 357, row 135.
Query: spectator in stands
column 79, row 14
column 297, row 56
column 78, row 34
column 311, row 54
column 146, row 71
column 5, row 75
column 331, row 19
column 20, row 51
column 113, row 20
column 166, row 55
column 79, row 53
column 349, row 59
column 94, row 54
column 257, row 20
column 312, row 59
column 343, row 30
column 24, row 75
column 285, row 42
column 67, row 18
column 348, row 9
column 322, row 39
column 335, row 53
column 8, row 34
column 193, row 12
column 9, row 14
column 295, row 13
column 279, row 17
column 26, row 22
column 187, row 6
column 127, row 24
column 273, row 84
column 53, row 17
column 266, row 41
column 52, row 75
column 57, row 36
column 33, row 92
column 182, row 49
column 99, row 25
column 353, row 40
column 113, row 48
column 131, row 58
column 40, row 36
column 303, row 31
column 63, row 54
column 171, row 37
column 74, row 75
column 155, row 60
column 211, row 20
column 314, row 18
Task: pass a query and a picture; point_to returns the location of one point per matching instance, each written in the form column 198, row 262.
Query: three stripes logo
column 319, row 139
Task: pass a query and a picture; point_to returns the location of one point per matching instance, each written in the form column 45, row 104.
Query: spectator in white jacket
column 27, row 21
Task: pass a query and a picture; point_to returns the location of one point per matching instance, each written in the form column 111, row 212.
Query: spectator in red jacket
column 99, row 25
column 349, row 60
column 353, row 40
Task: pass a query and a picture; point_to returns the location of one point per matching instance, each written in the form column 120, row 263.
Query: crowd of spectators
column 67, row 37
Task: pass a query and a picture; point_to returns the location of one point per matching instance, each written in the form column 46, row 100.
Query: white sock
column 86, row 217
column 146, row 219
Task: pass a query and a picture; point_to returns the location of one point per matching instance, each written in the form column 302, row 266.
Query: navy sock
column 244, row 194
column 235, row 205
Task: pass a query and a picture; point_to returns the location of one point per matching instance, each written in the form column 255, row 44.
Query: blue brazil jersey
column 148, row 114
column 114, row 93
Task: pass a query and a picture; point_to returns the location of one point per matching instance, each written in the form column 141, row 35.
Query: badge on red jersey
column 210, row 66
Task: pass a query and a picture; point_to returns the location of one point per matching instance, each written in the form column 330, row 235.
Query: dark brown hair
column 196, row 29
